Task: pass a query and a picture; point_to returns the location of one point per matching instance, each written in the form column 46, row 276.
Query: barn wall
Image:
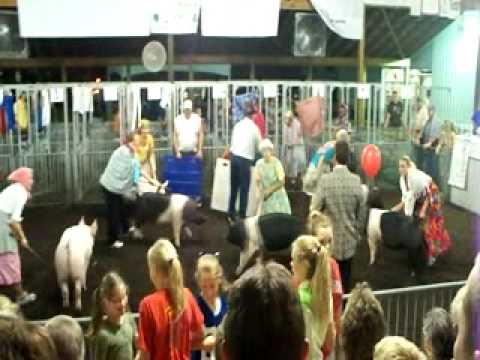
column 452, row 58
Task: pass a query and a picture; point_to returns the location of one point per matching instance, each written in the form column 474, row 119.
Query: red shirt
column 259, row 120
column 337, row 294
column 160, row 335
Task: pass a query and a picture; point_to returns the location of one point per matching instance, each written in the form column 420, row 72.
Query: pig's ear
column 82, row 221
column 94, row 228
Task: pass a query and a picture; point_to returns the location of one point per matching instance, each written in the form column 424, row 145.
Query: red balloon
column 371, row 160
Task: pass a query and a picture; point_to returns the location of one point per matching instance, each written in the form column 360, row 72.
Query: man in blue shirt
column 476, row 122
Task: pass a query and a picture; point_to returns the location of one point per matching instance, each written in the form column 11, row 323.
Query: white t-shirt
column 187, row 131
column 245, row 139
column 12, row 201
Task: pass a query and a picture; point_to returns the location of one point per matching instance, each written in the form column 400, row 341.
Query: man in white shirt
column 245, row 140
column 188, row 132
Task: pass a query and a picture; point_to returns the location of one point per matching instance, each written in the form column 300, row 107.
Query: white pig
column 72, row 258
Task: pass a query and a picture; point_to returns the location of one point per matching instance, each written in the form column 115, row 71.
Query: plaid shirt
column 339, row 195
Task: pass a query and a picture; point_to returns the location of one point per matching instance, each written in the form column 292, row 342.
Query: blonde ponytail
column 309, row 250
column 321, row 284
column 163, row 260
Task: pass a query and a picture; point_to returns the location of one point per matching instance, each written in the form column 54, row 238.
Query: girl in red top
column 171, row 323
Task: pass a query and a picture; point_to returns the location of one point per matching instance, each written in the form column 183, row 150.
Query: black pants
column 239, row 180
column 345, row 272
column 117, row 215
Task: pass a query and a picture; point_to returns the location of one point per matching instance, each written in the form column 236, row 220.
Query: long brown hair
column 163, row 259
column 308, row 249
column 110, row 282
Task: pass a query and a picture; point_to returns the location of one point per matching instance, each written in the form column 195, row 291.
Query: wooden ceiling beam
column 81, row 62
column 299, row 5
column 8, row 3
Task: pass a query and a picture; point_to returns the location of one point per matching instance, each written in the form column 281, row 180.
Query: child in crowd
column 311, row 268
column 320, row 226
column 171, row 323
column 212, row 303
column 112, row 331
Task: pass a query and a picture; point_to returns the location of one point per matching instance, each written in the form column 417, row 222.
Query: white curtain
column 235, row 18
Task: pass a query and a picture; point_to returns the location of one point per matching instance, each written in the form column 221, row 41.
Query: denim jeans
column 240, row 169
column 430, row 159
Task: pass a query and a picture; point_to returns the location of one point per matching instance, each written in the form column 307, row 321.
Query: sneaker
column 26, row 298
column 117, row 244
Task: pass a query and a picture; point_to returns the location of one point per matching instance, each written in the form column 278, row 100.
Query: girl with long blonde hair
column 311, row 268
column 211, row 300
column 171, row 323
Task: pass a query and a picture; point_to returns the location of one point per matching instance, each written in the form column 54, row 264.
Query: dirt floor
column 44, row 226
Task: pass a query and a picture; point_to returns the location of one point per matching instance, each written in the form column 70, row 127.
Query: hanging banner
column 56, row 95
column 175, row 17
column 430, row 7
column 110, row 93
column 270, row 91
column 318, row 90
column 219, row 91
column 363, row 92
column 459, row 164
column 154, row 92
column 82, row 99
column 86, row 18
column 342, row 17
column 246, row 18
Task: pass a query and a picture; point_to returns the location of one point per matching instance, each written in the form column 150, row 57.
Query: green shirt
column 115, row 342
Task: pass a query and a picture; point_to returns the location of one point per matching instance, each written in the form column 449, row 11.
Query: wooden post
column 64, row 74
column 170, row 57
column 252, row 71
column 362, row 72
column 477, row 84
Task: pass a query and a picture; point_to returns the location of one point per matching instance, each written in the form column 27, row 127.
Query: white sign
column 110, row 93
column 86, row 18
column 154, row 92
column 235, row 18
column 459, row 165
column 82, row 99
column 363, row 92
column 270, row 90
column 342, row 17
column 219, row 91
column 318, row 90
column 56, row 95
column 175, row 17
column 430, row 7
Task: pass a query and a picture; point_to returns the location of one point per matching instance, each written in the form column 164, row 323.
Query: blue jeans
column 430, row 160
column 240, row 169
column 419, row 156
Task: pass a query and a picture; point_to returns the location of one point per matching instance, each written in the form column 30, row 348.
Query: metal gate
column 70, row 154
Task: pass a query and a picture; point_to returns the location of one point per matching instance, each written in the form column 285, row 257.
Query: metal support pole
column 362, row 73
column 170, row 56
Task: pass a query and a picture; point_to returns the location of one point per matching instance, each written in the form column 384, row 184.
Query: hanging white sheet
column 174, row 17
column 246, row 18
column 46, row 108
column 86, row 18
column 344, row 17
column 221, row 189
column 56, row 95
column 459, row 165
column 110, row 93
column 82, row 99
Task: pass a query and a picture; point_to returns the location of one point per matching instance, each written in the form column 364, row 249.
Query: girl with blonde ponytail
column 311, row 268
column 171, row 323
